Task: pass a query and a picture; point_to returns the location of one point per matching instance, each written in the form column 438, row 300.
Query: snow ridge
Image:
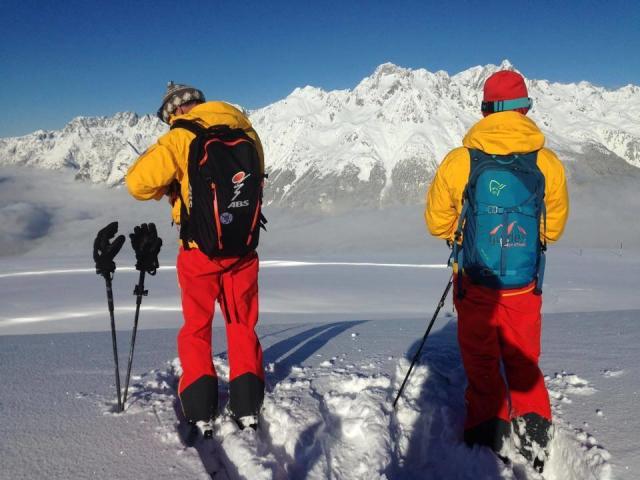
column 376, row 144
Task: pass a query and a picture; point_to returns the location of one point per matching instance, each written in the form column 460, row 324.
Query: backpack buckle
column 494, row 209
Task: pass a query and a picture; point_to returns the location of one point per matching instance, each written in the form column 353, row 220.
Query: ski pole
column 114, row 342
column 104, row 252
column 424, row 339
column 146, row 244
column 139, row 292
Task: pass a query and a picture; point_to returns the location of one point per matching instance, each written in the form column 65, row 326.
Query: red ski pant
column 494, row 327
column 234, row 283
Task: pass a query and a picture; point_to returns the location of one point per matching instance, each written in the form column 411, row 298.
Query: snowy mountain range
column 375, row 145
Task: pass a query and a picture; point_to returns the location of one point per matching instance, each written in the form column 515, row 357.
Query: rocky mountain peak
column 376, row 144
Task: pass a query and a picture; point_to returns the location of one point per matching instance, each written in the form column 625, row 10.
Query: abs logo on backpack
column 238, row 182
column 239, row 177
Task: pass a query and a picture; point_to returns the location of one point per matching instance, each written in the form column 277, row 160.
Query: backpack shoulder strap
column 198, row 130
column 477, row 160
column 189, row 125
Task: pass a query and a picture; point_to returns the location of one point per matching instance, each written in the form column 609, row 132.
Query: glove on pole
column 104, row 252
column 424, row 339
column 146, row 244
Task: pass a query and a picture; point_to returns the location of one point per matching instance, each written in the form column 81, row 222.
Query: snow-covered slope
column 377, row 144
column 337, row 341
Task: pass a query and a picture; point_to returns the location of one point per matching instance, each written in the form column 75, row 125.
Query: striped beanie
column 177, row 95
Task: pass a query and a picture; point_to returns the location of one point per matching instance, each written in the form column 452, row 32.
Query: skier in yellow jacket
column 498, row 325
column 232, row 280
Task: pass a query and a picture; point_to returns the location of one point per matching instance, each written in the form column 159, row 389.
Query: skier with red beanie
column 499, row 200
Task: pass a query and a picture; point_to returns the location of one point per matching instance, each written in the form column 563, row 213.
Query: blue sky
column 59, row 60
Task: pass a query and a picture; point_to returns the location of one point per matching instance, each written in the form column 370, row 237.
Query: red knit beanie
column 504, row 85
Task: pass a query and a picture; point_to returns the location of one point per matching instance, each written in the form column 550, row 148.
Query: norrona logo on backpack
column 496, row 187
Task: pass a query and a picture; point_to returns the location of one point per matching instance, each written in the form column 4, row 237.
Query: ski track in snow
column 335, row 421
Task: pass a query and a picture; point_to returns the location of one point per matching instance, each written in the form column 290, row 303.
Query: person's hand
column 105, row 250
column 146, row 244
column 173, row 192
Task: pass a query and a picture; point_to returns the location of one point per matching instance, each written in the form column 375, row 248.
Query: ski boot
column 532, row 436
column 250, row 421
column 492, row 433
column 205, row 428
column 196, row 430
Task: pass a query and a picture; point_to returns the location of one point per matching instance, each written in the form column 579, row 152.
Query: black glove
column 104, row 251
column 146, row 244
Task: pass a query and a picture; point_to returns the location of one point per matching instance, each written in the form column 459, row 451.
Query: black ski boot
column 195, row 430
column 492, row 433
column 206, row 429
column 533, row 433
column 251, row 421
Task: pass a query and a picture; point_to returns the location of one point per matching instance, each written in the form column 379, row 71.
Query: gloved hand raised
column 146, row 244
column 104, row 250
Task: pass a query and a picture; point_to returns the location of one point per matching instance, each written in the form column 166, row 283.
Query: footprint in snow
column 356, row 383
column 564, row 383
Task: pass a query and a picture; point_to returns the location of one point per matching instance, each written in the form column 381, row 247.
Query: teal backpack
column 502, row 210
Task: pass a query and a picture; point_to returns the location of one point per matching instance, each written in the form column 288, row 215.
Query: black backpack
column 225, row 191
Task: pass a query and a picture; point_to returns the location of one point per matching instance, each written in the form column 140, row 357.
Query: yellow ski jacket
column 167, row 160
column 500, row 134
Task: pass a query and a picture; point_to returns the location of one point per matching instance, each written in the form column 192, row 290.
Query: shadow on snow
column 435, row 444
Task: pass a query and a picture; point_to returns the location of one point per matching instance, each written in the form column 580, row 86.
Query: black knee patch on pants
column 200, row 399
column 246, row 394
column 491, row 433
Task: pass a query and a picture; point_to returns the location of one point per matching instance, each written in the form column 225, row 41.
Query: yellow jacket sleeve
column 556, row 195
column 444, row 197
column 150, row 175
column 440, row 214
